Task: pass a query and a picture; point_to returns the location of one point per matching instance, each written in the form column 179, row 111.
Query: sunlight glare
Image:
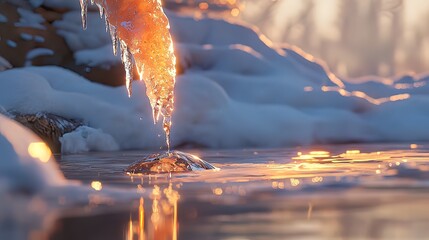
column 40, row 151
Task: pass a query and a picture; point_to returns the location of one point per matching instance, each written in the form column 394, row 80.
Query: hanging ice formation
column 141, row 29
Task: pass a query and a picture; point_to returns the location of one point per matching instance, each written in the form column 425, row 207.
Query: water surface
column 327, row 192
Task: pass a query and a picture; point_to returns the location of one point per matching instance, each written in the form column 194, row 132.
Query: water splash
column 141, row 29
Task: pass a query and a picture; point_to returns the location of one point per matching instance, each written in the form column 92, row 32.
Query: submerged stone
column 169, row 162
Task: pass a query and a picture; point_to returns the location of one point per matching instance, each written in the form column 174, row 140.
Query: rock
column 168, row 162
column 48, row 127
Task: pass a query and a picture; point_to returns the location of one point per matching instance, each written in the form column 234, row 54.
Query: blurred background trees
column 355, row 37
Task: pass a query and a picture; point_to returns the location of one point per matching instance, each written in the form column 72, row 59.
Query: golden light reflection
column 40, row 151
column 203, row 6
column 141, row 220
column 235, row 12
column 310, row 211
column 352, row 152
column 377, row 101
column 294, row 182
column 414, row 146
column 163, row 212
column 313, row 155
column 218, row 191
column 317, row 179
column 97, row 185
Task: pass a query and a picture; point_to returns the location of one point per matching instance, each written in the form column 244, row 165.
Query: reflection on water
column 329, row 192
column 162, row 217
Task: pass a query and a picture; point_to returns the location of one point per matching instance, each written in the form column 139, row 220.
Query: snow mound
column 85, row 139
column 26, row 165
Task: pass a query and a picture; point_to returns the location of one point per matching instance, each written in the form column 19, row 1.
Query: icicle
column 107, row 23
column 114, row 36
column 127, row 60
column 84, row 11
column 100, row 10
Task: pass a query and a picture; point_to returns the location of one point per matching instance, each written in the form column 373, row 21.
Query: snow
column 30, row 19
column 70, row 27
column 101, row 57
column 4, row 64
column 85, row 139
column 207, row 115
column 39, row 39
column 26, row 36
column 11, row 43
column 3, row 18
column 37, row 52
column 36, row 3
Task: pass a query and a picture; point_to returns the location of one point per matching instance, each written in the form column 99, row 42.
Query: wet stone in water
column 169, row 162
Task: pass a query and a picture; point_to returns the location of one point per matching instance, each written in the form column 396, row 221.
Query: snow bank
column 26, row 163
column 213, row 109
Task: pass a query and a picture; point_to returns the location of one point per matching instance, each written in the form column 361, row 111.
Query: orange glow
column 399, row 97
column 163, row 222
column 308, row 89
column 141, row 220
column 218, row 191
column 141, row 29
column 97, row 185
column 350, row 152
column 294, row 182
column 310, row 211
column 203, row 6
column 312, row 155
column 414, row 146
column 40, row 150
column 235, row 12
